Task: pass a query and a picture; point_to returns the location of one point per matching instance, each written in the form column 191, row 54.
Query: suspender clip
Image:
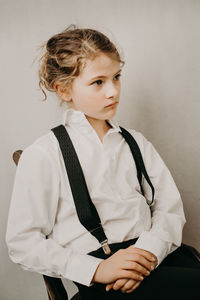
column 106, row 247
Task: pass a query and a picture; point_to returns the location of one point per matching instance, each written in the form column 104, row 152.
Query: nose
column 112, row 90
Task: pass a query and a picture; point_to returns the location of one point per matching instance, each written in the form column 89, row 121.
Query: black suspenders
column 141, row 170
column 86, row 211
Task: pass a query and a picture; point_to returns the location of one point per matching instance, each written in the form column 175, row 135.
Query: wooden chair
column 54, row 286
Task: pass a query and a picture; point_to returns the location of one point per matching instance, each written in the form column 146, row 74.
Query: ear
column 63, row 93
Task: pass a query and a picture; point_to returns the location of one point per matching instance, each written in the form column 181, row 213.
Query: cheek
column 119, row 86
column 88, row 97
column 94, row 95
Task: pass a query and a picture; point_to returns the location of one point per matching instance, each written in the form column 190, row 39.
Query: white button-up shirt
column 42, row 204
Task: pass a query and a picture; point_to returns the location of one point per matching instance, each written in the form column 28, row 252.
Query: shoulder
column 43, row 148
column 141, row 140
column 38, row 165
column 45, row 142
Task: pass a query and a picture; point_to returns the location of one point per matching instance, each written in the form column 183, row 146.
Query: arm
column 167, row 215
column 168, row 218
column 32, row 216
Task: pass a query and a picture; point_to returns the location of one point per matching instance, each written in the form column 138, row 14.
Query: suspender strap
column 135, row 150
column 87, row 213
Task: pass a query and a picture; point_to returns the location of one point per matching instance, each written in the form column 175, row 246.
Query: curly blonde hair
column 65, row 55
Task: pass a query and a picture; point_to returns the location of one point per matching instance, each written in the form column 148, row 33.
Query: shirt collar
column 72, row 116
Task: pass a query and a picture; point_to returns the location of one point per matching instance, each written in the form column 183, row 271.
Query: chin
column 112, row 112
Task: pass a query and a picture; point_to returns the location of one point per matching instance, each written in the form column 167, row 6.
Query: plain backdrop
column 160, row 42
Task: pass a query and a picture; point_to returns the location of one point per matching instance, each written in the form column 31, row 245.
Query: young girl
column 44, row 233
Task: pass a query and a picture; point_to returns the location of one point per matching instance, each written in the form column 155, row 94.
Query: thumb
column 109, row 286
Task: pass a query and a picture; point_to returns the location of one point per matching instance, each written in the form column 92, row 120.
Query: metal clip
column 106, row 247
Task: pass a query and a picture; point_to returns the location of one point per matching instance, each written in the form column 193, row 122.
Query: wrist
column 96, row 274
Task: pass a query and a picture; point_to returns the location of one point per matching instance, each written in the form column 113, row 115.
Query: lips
column 112, row 104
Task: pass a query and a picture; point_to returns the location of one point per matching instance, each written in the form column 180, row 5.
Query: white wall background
column 160, row 94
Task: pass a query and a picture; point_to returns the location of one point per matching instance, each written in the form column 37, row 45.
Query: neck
column 100, row 126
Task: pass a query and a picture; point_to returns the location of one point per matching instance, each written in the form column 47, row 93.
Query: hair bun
column 51, row 45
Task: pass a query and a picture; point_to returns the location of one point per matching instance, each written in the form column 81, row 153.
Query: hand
column 130, row 263
column 129, row 285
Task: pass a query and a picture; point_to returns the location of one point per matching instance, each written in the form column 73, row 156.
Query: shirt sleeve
column 167, row 214
column 32, row 215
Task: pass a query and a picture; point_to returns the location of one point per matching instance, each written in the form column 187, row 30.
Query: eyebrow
column 102, row 76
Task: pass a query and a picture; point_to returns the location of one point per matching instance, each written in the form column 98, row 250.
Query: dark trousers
column 177, row 277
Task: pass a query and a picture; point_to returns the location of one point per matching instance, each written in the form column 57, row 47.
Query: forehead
column 101, row 65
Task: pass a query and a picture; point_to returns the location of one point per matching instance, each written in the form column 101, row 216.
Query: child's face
column 97, row 87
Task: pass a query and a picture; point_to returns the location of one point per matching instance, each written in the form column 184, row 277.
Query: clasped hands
column 125, row 269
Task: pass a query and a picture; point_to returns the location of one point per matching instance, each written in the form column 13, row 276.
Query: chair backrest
column 54, row 286
column 16, row 156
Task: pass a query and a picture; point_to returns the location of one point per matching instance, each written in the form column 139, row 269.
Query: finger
column 109, row 286
column 133, row 288
column 132, row 265
column 147, row 254
column 129, row 274
column 139, row 259
column 119, row 283
column 129, row 285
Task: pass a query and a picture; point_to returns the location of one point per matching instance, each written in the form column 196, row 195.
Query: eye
column 98, row 82
column 117, row 77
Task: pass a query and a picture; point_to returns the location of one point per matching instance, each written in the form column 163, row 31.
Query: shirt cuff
column 81, row 268
column 149, row 242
